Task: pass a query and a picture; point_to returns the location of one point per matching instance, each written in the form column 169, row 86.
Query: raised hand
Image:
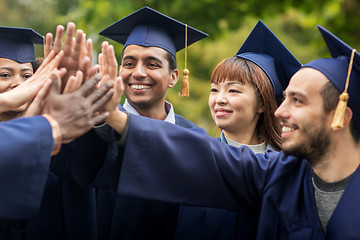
column 77, row 51
column 108, row 69
column 77, row 112
column 26, row 91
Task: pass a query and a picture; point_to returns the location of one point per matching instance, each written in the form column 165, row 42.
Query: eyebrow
column 292, row 94
column 11, row 69
column 233, row 83
column 130, row 57
column 229, row 83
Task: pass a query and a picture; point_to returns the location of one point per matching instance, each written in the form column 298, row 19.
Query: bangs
column 232, row 69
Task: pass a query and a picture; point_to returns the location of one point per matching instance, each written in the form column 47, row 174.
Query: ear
column 260, row 108
column 174, row 77
column 120, row 68
column 347, row 118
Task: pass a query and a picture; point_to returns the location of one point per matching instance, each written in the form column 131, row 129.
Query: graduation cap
column 264, row 49
column 18, row 43
column 149, row 28
column 343, row 70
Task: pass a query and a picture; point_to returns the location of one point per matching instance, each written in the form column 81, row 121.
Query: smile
column 140, row 86
column 222, row 112
column 286, row 129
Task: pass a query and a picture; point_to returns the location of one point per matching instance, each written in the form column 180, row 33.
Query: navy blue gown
column 168, row 163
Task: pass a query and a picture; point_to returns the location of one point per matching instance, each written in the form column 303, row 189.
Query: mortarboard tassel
column 184, row 90
column 338, row 120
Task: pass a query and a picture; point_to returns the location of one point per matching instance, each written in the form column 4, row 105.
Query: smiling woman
column 245, row 90
column 17, row 62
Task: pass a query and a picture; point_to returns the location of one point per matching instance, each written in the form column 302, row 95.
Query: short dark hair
column 172, row 61
column 36, row 63
column 330, row 95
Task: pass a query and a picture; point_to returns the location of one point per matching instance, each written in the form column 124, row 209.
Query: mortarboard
column 264, row 49
column 149, row 28
column 343, row 70
column 18, row 43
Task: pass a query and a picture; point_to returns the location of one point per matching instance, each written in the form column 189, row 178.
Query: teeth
column 287, row 129
column 139, row 87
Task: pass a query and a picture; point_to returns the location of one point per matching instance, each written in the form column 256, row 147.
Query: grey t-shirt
column 327, row 196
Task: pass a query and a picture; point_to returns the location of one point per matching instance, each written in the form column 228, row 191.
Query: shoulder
column 181, row 121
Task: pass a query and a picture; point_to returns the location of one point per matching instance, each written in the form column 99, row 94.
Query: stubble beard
column 314, row 145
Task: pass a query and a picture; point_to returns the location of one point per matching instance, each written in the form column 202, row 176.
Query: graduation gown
column 168, row 163
column 25, row 150
column 214, row 223
column 122, row 217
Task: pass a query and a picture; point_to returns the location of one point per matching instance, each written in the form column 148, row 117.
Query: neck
column 342, row 159
column 248, row 137
column 155, row 111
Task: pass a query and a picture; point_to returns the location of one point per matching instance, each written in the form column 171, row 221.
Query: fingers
column 100, row 92
column 101, row 97
column 74, row 82
column 58, row 38
column 88, row 86
column 56, row 82
column 78, row 45
column 70, row 31
column 37, row 105
column 98, row 118
column 112, row 62
column 48, row 44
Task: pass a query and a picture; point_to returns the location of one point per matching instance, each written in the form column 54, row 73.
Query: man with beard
column 307, row 191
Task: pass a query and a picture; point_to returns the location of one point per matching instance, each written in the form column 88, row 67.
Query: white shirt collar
column 168, row 108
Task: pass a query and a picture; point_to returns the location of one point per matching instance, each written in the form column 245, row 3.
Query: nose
column 282, row 112
column 139, row 71
column 16, row 81
column 221, row 98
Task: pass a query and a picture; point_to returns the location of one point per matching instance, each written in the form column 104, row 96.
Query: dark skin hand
column 77, row 112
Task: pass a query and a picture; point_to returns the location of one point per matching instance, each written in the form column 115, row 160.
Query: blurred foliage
column 228, row 23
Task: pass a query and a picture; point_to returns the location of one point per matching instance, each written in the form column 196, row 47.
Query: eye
column 213, row 90
column 5, row 75
column 128, row 65
column 153, row 65
column 297, row 101
column 27, row 76
column 234, row 91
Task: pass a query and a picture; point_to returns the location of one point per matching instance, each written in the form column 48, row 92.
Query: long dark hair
column 244, row 71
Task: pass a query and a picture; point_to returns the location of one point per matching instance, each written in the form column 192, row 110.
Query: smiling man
column 310, row 190
column 149, row 68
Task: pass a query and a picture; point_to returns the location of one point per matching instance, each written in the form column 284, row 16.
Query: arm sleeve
column 25, row 150
column 165, row 162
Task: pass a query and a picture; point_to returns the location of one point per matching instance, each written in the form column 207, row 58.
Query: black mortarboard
column 264, row 49
column 336, row 70
column 18, row 43
column 149, row 28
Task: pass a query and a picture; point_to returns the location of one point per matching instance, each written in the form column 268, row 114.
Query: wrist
column 56, row 134
column 117, row 120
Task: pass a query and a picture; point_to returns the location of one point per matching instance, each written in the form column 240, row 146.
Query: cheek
column 4, row 86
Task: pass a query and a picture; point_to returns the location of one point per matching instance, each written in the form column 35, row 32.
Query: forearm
column 117, row 120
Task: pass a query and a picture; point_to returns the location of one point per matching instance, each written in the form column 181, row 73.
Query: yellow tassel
column 185, row 86
column 185, row 89
column 338, row 119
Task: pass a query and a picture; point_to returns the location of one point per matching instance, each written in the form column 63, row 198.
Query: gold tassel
column 338, row 120
column 185, row 86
